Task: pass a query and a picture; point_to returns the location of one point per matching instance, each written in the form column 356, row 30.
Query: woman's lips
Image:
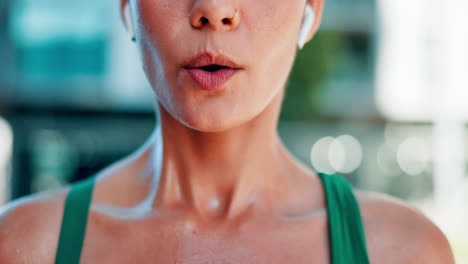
column 210, row 71
column 211, row 80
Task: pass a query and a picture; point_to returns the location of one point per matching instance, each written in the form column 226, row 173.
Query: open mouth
column 212, row 68
column 210, row 71
column 212, row 76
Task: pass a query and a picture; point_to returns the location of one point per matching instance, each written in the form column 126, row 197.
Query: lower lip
column 211, row 80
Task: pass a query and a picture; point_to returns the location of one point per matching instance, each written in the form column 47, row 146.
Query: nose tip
column 216, row 16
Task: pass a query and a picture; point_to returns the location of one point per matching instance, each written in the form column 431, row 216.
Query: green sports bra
column 346, row 232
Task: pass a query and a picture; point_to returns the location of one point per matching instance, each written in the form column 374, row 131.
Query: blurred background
column 379, row 96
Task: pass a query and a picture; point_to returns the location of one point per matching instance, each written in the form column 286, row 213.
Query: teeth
column 212, row 68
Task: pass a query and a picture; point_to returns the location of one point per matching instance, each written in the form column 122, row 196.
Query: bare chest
column 170, row 243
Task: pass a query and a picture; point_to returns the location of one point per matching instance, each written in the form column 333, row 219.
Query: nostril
column 226, row 21
column 204, row 20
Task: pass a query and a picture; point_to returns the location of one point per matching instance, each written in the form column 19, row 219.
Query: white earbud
column 129, row 21
column 306, row 27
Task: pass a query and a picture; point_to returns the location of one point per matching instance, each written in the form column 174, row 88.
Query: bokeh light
column 345, row 154
column 331, row 155
column 413, row 156
column 319, row 155
column 6, row 147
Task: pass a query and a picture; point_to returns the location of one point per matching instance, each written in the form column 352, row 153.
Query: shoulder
column 29, row 228
column 398, row 233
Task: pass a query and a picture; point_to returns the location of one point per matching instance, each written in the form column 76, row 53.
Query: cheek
column 274, row 29
column 158, row 25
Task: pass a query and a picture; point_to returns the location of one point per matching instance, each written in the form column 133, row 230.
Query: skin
column 215, row 183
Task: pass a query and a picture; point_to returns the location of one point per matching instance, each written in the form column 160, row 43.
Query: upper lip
column 207, row 58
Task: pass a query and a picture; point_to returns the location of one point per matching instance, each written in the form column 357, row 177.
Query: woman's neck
column 215, row 176
column 218, row 174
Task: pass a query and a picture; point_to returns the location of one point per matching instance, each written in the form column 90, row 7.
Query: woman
column 214, row 183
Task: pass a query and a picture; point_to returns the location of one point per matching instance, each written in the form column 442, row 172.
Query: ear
column 318, row 6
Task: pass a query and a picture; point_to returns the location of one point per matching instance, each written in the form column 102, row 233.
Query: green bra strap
column 346, row 231
column 75, row 218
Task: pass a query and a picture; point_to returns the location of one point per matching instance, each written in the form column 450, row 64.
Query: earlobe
column 129, row 21
column 306, row 27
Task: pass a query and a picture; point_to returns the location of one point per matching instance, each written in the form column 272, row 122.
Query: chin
column 213, row 121
column 211, row 113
